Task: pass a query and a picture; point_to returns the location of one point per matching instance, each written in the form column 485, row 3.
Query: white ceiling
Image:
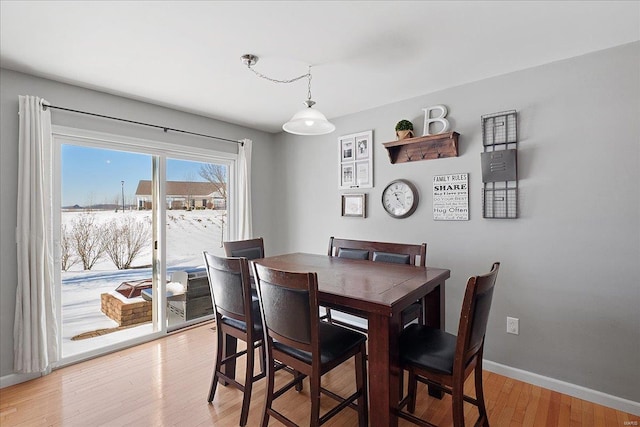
column 186, row 54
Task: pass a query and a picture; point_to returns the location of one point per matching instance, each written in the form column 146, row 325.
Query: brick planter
column 126, row 313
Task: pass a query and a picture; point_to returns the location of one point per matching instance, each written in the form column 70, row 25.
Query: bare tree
column 86, row 239
column 125, row 239
column 216, row 175
column 189, row 177
column 67, row 255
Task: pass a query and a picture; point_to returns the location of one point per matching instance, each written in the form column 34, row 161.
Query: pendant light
column 308, row 121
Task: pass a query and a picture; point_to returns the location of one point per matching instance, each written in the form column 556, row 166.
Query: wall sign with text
column 451, row 197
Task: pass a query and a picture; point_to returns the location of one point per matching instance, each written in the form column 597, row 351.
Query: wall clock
column 400, row 198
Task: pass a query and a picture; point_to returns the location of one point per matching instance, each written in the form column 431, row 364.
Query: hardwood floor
column 166, row 382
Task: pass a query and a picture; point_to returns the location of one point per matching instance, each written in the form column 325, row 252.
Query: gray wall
column 570, row 264
column 13, row 84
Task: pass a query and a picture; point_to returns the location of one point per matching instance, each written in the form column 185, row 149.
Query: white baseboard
column 13, row 379
column 580, row 392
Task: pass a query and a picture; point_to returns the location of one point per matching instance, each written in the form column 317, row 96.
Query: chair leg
column 314, row 385
column 482, row 410
column 412, row 386
column 361, row 384
column 298, row 375
column 268, row 401
column 263, row 358
column 457, row 399
column 217, row 366
column 248, row 385
column 230, row 347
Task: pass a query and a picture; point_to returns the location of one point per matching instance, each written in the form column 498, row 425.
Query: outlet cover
column 513, row 325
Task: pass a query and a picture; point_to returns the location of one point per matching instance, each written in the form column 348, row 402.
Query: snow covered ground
column 188, row 234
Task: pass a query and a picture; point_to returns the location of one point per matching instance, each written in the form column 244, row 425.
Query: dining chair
column 399, row 253
column 444, row 361
column 295, row 336
column 250, row 248
column 237, row 315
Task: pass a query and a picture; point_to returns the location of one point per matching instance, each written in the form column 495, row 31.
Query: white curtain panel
column 35, row 332
column 245, row 227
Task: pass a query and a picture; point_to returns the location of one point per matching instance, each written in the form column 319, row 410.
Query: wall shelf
column 423, row 148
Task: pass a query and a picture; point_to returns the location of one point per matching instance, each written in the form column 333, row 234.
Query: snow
column 189, row 233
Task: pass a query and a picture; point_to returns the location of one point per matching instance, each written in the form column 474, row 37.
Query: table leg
column 384, row 371
column 435, row 308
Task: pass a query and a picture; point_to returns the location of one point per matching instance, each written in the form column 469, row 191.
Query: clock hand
column 398, row 199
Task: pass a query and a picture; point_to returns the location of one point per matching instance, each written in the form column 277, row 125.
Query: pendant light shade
column 308, row 121
column 305, row 122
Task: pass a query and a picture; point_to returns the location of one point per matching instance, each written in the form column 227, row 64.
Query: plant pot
column 404, row 134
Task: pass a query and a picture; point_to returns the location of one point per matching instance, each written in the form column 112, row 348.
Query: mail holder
column 499, row 165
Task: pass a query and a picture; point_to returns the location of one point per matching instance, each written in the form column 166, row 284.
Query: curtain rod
column 164, row 128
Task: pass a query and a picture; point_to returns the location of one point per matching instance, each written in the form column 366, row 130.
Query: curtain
column 35, row 332
column 245, row 228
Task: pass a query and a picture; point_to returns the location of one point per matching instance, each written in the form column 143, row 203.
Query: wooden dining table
column 378, row 292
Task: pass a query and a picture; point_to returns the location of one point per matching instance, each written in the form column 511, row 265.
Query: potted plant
column 404, row 129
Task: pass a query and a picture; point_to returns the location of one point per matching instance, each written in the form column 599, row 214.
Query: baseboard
column 12, row 379
column 580, row 392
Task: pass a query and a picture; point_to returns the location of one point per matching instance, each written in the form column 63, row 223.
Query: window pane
column 196, row 221
column 105, row 248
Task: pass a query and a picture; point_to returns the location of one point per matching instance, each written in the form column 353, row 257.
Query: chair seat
column 257, row 322
column 428, row 348
column 335, row 341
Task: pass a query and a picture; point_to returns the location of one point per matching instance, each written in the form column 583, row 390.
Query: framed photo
column 346, row 149
column 356, row 160
column 362, row 147
column 354, row 205
column 347, row 177
column 362, row 173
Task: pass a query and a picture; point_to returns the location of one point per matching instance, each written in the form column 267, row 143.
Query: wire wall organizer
column 499, row 165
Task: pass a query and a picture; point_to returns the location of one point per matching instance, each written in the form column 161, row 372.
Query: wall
column 570, row 264
column 13, row 84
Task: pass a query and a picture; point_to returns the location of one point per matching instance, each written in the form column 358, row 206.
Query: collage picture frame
column 356, row 160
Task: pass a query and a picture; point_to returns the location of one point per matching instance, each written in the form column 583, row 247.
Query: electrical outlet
column 513, row 325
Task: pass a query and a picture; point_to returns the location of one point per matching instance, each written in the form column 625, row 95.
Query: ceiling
column 186, row 54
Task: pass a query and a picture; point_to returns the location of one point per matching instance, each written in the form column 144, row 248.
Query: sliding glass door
column 134, row 221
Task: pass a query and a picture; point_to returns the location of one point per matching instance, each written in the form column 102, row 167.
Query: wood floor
column 166, row 383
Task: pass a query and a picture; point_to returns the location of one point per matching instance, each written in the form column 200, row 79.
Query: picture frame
column 356, row 160
column 451, row 197
column 347, row 149
column 347, row 176
column 354, row 205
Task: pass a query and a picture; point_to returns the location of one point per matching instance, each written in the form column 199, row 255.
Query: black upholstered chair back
column 289, row 305
column 475, row 313
column 229, row 282
column 250, row 249
column 378, row 251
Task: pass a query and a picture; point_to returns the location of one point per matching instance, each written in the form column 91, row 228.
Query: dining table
column 378, row 292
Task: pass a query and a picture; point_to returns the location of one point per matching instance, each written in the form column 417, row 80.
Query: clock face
column 400, row 198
